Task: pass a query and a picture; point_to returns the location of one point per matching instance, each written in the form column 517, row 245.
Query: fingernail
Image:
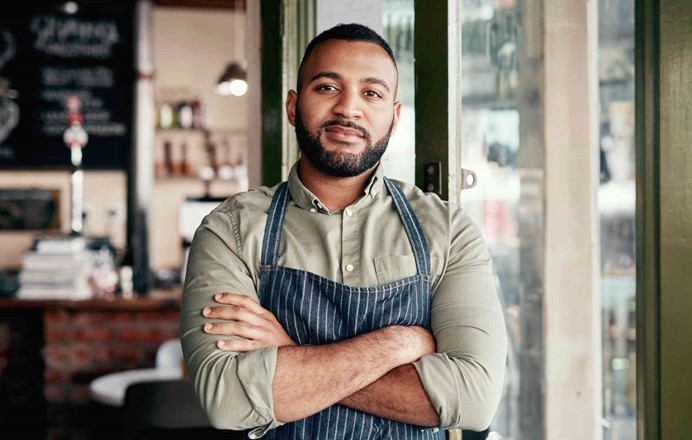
column 218, row 296
column 220, row 343
column 206, row 311
column 208, row 327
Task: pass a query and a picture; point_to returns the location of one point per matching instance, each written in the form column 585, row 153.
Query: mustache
column 347, row 124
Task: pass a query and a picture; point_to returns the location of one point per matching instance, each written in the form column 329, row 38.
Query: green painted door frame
column 272, row 92
column 287, row 28
column 432, row 89
column 647, row 219
column 664, row 218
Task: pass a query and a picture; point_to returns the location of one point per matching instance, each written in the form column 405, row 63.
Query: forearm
column 308, row 379
column 398, row 395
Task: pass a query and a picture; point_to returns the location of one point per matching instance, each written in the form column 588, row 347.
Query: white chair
column 169, row 356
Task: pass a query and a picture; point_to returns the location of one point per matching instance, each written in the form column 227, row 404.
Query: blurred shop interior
column 123, row 123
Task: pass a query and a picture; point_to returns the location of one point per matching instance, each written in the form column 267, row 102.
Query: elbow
column 209, row 386
column 218, row 420
column 480, row 421
column 476, row 415
column 231, row 391
column 480, row 414
column 480, row 398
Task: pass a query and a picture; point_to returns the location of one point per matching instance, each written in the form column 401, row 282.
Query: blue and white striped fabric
column 316, row 310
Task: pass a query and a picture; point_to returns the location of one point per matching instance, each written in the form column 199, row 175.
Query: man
column 341, row 304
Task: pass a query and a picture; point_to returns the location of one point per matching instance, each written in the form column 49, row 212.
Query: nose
column 347, row 105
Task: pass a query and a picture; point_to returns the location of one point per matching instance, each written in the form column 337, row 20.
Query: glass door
column 399, row 161
column 501, row 141
column 616, row 207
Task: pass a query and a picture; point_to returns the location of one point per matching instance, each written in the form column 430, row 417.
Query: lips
column 343, row 131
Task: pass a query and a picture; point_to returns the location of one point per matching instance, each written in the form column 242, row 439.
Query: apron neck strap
column 414, row 230
column 276, row 217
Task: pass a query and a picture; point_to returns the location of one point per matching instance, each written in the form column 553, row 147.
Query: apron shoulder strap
column 276, row 218
column 414, row 230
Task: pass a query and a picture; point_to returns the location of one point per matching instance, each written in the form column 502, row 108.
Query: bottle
column 168, row 156
column 198, row 113
column 176, row 160
column 126, row 285
column 159, row 161
column 184, row 164
column 185, row 115
column 166, row 119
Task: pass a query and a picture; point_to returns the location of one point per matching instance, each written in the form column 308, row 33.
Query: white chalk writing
column 74, row 38
column 87, row 77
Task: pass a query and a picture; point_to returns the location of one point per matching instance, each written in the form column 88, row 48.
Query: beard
column 340, row 163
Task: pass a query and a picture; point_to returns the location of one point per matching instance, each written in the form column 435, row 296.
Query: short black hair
column 347, row 32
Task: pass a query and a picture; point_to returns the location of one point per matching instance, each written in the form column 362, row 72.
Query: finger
column 241, row 301
column 238, row 345
column 233, row 313
column 242, row 329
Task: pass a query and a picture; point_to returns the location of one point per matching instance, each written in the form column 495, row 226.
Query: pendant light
column 233, row 80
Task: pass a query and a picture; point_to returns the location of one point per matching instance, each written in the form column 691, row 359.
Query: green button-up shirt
column 362, row 245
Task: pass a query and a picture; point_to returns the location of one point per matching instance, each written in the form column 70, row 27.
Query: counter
column 50, row 350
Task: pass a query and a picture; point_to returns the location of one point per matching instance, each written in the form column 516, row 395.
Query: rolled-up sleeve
column 464, row 379
column 234, row 389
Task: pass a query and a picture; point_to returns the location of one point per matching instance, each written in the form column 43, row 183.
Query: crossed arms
column 371, row 372
column 394, row 372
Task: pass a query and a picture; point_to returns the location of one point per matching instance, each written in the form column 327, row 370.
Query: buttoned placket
column 350, row 246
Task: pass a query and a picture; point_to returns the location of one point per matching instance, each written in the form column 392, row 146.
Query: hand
column 256, row 326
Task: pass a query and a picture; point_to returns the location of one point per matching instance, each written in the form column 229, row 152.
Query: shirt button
column 313, row 210
column 349, row 212
column 349, row 267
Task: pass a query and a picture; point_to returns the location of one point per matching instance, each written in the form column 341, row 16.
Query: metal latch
column 468, row 179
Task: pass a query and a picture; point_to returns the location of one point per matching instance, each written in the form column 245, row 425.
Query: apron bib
column 316, row 310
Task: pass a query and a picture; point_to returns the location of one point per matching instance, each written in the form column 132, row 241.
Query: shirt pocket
column 397, row 267
column 394, row 268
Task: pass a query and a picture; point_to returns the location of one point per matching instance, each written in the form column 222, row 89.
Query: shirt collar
column 305, row 199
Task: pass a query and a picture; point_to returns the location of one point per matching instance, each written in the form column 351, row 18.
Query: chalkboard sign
column 29, row 209
column 53, row 52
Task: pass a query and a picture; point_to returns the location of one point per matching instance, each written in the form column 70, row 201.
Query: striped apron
column 316, row 310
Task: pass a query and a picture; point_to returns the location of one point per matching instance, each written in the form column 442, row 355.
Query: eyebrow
column 338, row 77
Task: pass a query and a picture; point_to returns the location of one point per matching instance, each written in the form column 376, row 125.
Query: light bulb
column 238, row 87
column 223, row 88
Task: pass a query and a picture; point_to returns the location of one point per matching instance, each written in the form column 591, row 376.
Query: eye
column 326, row 88
column 373, row 94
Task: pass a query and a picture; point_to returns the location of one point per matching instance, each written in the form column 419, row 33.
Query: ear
column 291, row 102
column 397, row 112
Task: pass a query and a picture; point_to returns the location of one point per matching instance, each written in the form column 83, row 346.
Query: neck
column 336, row 193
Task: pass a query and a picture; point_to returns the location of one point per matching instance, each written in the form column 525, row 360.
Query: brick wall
column 81, row 345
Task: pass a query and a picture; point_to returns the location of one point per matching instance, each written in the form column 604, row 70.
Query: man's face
column 345, row 111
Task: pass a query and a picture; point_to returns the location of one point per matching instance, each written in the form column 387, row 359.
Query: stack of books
column 56, row 268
